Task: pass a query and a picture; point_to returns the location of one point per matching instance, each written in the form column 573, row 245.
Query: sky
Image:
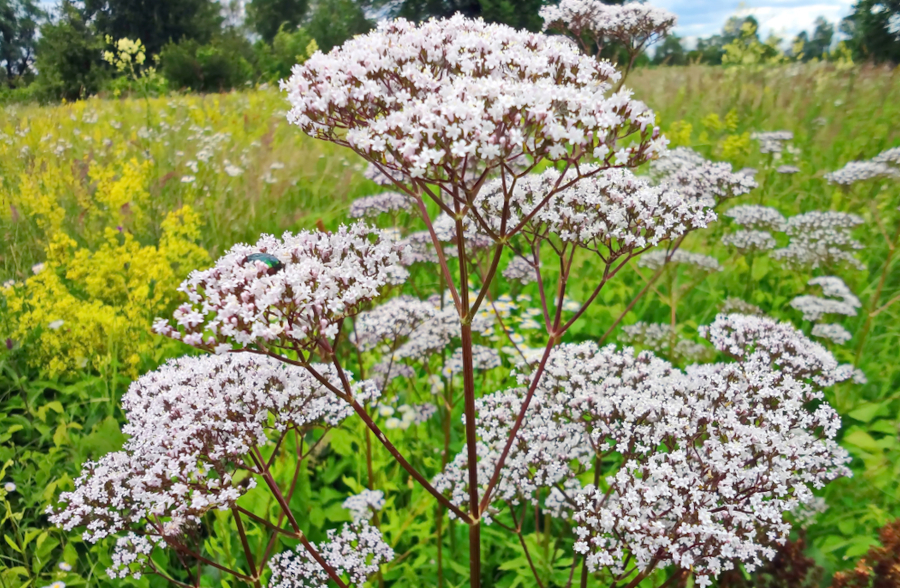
column 786, row 18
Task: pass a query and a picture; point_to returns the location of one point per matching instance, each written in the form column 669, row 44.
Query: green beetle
column 272, row 262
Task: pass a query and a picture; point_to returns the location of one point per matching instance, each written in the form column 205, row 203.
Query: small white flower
column 66, row 567
column 9, row 487
column 55, row 325
column 37, row 268
column 187, row 179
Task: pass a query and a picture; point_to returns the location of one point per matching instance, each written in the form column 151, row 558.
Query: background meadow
column 106, row 204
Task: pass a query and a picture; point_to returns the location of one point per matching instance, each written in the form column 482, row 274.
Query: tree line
column 205, row 45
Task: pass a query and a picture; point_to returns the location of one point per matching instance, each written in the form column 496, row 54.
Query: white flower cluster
column 483, row 358
column 189, row 424
column 674, row 160
column 885, row 165
column 424, row 99
column 709, row 183
column 659, row 257
column 860, row 171
column 418, row 247
column 820, row 239
column 711, row 458
column 438, row 332
column 383, row 203
column 839, row 299
column 376, row 175
column 363, row 505
column 390, row 322
column 761, row 218
column 611, row 208
column 890, row 156
column 356, row 552
column 403, row 416
column 285, row 292
column 749, row 241
column 772, row 141
column 833, row 332
column 521, row 270
column 658, row 337
column 788, row 169
column 734, row 305
column 633, row 24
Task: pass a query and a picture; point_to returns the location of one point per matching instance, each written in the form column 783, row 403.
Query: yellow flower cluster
column 718, row 133
column 85, row 309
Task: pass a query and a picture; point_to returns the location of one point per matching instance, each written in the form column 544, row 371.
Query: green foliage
column 334, row 21
column 521, row 14
column 204, row 68
column 818, row 46
column 670, row 52
column 18, row 27
column 269, row 17
column 68, row 57
column 155, row 23
column 275, row 61
column 867, row 29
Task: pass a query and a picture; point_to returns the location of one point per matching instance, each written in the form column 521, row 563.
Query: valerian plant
column 511, row 148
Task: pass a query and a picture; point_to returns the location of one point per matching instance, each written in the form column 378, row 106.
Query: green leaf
column 760, row 268
column 61, row 435
column 863, row 440
column 859, row 546
column 12, row 544
column 105, row 437
column 867, row 411
column 56, row 406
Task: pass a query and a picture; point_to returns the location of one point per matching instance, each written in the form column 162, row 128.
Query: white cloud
column 786, row 18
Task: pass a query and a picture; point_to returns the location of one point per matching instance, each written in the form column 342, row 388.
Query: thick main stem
column 471, row 446
column 465, row 319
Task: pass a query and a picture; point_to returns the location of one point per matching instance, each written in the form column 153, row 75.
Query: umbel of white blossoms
column 356, row 552
column 746, row 241
column 312, row 282
column 633, row 24
column 820, row 239
column 660, row 258
column 706, row 461
column 884, row 166
column 761, row 218
column 423, row 100
column 384, row 203
column 612, row 212
column 839, row 299
column 189, row 424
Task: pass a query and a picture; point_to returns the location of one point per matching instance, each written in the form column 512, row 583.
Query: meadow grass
column 85, row 189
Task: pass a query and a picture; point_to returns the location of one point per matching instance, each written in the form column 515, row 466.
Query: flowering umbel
column 190, row 423
column 711, row 458
column 422, row 101
column 310, row 283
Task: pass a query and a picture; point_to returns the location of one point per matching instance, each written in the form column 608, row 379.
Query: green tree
column 287, row 49
column 155, row 22
column 267, row 17
column 670, row 52
column 821, row 40
column 69, row 56
column 870, row 32
column 18, row 28
column 334, row 21
column 521, row 14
